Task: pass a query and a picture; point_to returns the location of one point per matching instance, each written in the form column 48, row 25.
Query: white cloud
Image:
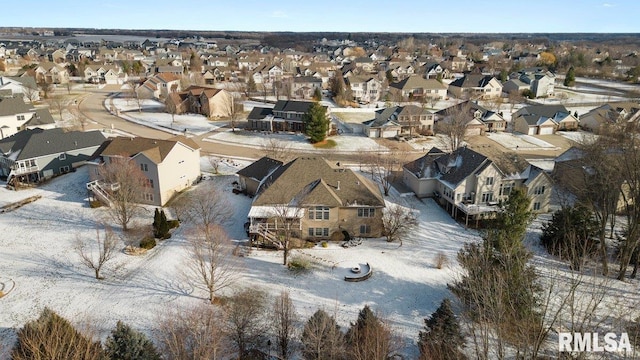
column 608, row 5
column 279, row 14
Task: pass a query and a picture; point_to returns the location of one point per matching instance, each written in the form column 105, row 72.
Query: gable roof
column 292, row 106
column 259, row 113
column 259, row 169
column 315, row 181
column 418, row 82
column 451, row 169
column 13, row 106
column 41, row 117
column 154, row 149
column 391, row 115
column 28, row 144
column 472, row 80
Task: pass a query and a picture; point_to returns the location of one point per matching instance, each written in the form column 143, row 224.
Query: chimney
column 338, row 187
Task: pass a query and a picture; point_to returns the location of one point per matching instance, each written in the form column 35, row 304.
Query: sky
column 407, row 16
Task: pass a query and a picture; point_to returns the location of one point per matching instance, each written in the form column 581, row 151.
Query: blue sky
column 331, row 15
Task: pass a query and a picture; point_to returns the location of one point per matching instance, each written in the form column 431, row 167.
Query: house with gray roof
column 467, row 183
column 610, row 113
column 319, row 198
column 409, row 120
column 543, row 119
column 476, row 86
column 286, row 115
column 35, row 154
column 251, row 177
column 14, row 114
column 538, row 80
column 417, row 88
column 24, row 86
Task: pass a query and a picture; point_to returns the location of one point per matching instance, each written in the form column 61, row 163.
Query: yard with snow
column 513, row 141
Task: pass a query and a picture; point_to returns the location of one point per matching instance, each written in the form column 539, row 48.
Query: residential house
column 267, row 74
column 543, row 119
column 170, row 166
column 251, row 177
column 212, row 103
column 304, row 87
column 286, row 115
column 416, row 87
column 468, row 184
column 32, row 155
column 478, row 119
column 610, row 113
column 433, row 70
column 401, row 70
column 365, row 89
column 395, row 121
column 14, row 114
column 476, row 86
column 108, row 74
column 316, row 198
column 539, row 81
column 24, row 86
column 51, row 73
column 159, row 86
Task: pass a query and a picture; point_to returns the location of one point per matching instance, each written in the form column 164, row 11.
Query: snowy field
column 152, row 114
column 520, row 141
column 38, row 255
column 345, row 142
column 579, row 137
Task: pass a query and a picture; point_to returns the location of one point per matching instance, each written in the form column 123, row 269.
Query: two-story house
column 211, row 102
column 539, row 81
column 476, row 86
column 51, row 73
column 543, row 119
column 36, row 154
column 417, row 88
column 286, row 115
column 478, row 120
column 14, row 115
column 365, row 89
column 170, row 166
column 159, row 86
column 304, row 87
column 610, row 113
column 318, row 198
column 394, row 121
column 24, row 86
column 468, row 184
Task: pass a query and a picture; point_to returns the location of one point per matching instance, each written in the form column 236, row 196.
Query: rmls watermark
column 593, row 342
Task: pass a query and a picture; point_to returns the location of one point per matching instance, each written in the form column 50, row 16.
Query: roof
column 259, row 113
column 424, row 167
column 292, row 106
column 391, row 115
column 451, row 168
column 13, row 105
column 316, row 181
column 472, row 80
column 38, row 142
column 306, row 79
column 260, row 169
column 41, row 117
column 418, row 82
column 543, row 110
column 156, row 150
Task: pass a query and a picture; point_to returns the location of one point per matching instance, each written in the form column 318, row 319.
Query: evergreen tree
column 322, row 338
column 316, row 122
column 161, row 226
column 156, row 223
column 441, row 338
column 52, row 337
column 317, row 94
column 251, row 85
column 124, row 343
column 571, row 234
column 570, row 78
column 369, row 337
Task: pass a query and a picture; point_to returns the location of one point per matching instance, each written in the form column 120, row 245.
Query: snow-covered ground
column 520, row 141
column 345, row 142
column 151, row 114
column 578, row 136
column 37, row 253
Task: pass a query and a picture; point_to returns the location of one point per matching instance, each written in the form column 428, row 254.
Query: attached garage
column 546, row 130
column 532, row 130
column 389, row 133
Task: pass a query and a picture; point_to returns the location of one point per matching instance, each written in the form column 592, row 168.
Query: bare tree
column 57, row 104
column 214, row 161
column 31, row 92
column 211, row 259
column 277, row 149
column 96, row 253
column 283, row 322
column 385, row 168
column 204, row 207
column 398, row 221
column 514, row 98
column 132, row 94
column 246, row 323
column 45, row 88
column 322, row 338
column 125, row 185
column 192, row 333
column 171, row 108
column 454, row 125
column 79, row 120
column 233, row 108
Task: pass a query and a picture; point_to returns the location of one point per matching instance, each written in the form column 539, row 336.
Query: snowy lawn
column 345, row 142
column 580, row 136
column 37, row 252
column 520, row 141
column 153, row 115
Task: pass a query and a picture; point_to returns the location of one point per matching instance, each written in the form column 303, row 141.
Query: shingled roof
column 13, row 106
column 316, row 181
column 156, row 150
column 28, row 144
column 261, row 168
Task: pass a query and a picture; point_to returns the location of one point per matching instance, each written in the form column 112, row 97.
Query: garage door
column 547, row 130
column 473, row 131
column 532, row 131
column 389, row 133
column 374, row 133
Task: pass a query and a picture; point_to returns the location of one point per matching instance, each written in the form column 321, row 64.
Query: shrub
column 298, row 264
column 126, row 343
column 173, row 224
column 148, row 242
column 337, row 236
column 324, row 244
column 441, row 260
column 95, row 204
column 347, row 237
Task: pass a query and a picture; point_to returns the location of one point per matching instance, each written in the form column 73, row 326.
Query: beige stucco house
column 170, row 166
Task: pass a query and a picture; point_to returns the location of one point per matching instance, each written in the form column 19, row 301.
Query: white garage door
column 532, row 131
column 374, row 133
column 547, row 130
column 389, row 133
column 473, row 131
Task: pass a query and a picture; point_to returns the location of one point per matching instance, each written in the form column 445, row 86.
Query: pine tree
column 52, row 337
column 570, row 78
column 316, row 122
column 369, row 337
column 125, row 343
column 156, row 223
column 317, row 94
column 441, row 338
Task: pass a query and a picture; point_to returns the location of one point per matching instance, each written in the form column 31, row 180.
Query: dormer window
column 62, row 156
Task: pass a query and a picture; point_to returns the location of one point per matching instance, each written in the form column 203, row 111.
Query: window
column 505, row 189
column 21, row 117
column 489, row 181
column 458, row 197
column 319, row 232
column 447, row 192
column 366, row 212
column 62, row 157
column 365, row 229
column 149, row 183
column 536, row 206
column 487, row 197
column 64, row 169
column 319, row 213
column 144, row 167
column 148, row 197
column 539, row 190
